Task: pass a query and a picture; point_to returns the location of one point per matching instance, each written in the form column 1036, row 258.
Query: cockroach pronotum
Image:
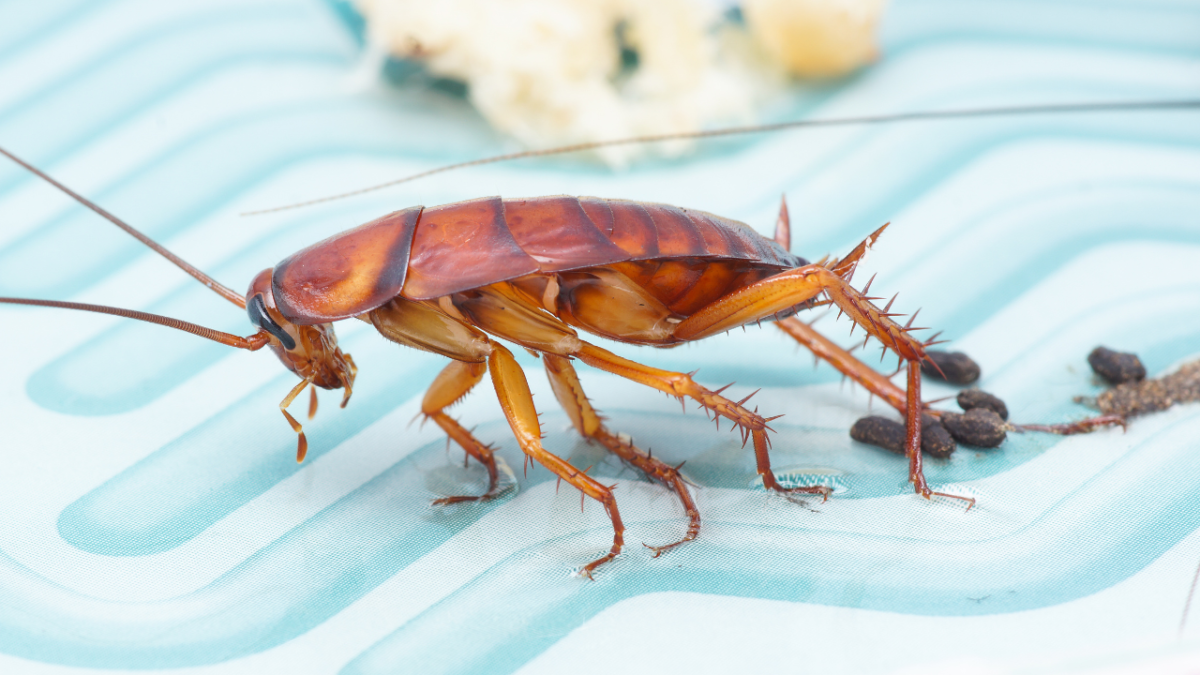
column 455, row 279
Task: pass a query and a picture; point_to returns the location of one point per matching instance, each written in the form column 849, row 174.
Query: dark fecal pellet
column 880, row 432
column 890, row 435
column 955, row 367
column 935, row 440
column 978, row 426
column 1116, row 367
column 977, row 398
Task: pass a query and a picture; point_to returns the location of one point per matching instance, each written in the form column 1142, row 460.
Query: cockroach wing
column 559, row 234
column 347, row 274
column 462, row 246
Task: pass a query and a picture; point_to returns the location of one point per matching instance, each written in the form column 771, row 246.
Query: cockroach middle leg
column 567, row 388
column 752, row 425
column 512, row 390
column 450, row 386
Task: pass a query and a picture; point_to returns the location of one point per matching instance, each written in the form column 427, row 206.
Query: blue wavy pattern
column 177, row 116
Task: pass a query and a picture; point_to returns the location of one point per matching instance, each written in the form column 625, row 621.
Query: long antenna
column 1009, row 111
column 252, row 343
column 222, row 290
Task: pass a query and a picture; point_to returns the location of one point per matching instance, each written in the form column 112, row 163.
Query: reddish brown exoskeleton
column 451, row 279
column 454, row 279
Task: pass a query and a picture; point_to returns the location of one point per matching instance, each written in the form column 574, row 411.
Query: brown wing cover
column 429, row 253
column 558, row 234
column 462, row 246
column 631, row 227
column 647, row 231
column 348, row 273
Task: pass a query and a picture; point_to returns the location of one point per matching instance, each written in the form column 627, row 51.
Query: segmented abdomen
column 471, row 244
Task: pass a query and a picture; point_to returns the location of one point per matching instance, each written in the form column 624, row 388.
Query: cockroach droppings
column 955, row 367
column 936, row 441
column 880, row 432
column 978, row 426
column 890, row 435
column 1116, row 367
column 977, row 398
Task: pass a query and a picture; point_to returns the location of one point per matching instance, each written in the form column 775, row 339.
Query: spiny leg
column 753, row 425
column 517, row 402
column 912, row 446
column 845, row 362
column 448, row 388
column 302, row 441
column 503, row 312
column 567, row 388
column 821, row 346
column 793, row 287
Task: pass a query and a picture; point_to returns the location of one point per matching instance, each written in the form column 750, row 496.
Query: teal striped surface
column 155, row 517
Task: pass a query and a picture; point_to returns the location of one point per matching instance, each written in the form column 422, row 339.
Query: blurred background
column 155, row 517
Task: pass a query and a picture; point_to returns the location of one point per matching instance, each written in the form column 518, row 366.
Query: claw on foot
column 770, row 483
column 929, row 494
column 591, row 567
column 659, row 550
column 459, row 499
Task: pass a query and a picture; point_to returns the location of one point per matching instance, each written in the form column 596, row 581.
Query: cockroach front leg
column 794, row 287
column 567, row 388
column 517, row 402
column 448, row 388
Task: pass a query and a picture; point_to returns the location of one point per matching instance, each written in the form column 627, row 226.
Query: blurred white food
column 816, row 38
column 549, row 72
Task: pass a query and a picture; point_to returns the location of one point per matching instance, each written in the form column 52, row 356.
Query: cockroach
column 457, row 278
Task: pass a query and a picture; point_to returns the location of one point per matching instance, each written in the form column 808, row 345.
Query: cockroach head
column 308, row 351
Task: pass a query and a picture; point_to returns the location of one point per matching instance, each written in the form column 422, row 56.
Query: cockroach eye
column 257, row 311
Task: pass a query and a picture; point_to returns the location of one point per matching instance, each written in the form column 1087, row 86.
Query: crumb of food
column 978, row 426
column 559, row 72
column 977, row 398
column 816, row 38
column 953, row 367
column 1116, row 367
column 890, row 435
column 1138, row 398
column 552, row 72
